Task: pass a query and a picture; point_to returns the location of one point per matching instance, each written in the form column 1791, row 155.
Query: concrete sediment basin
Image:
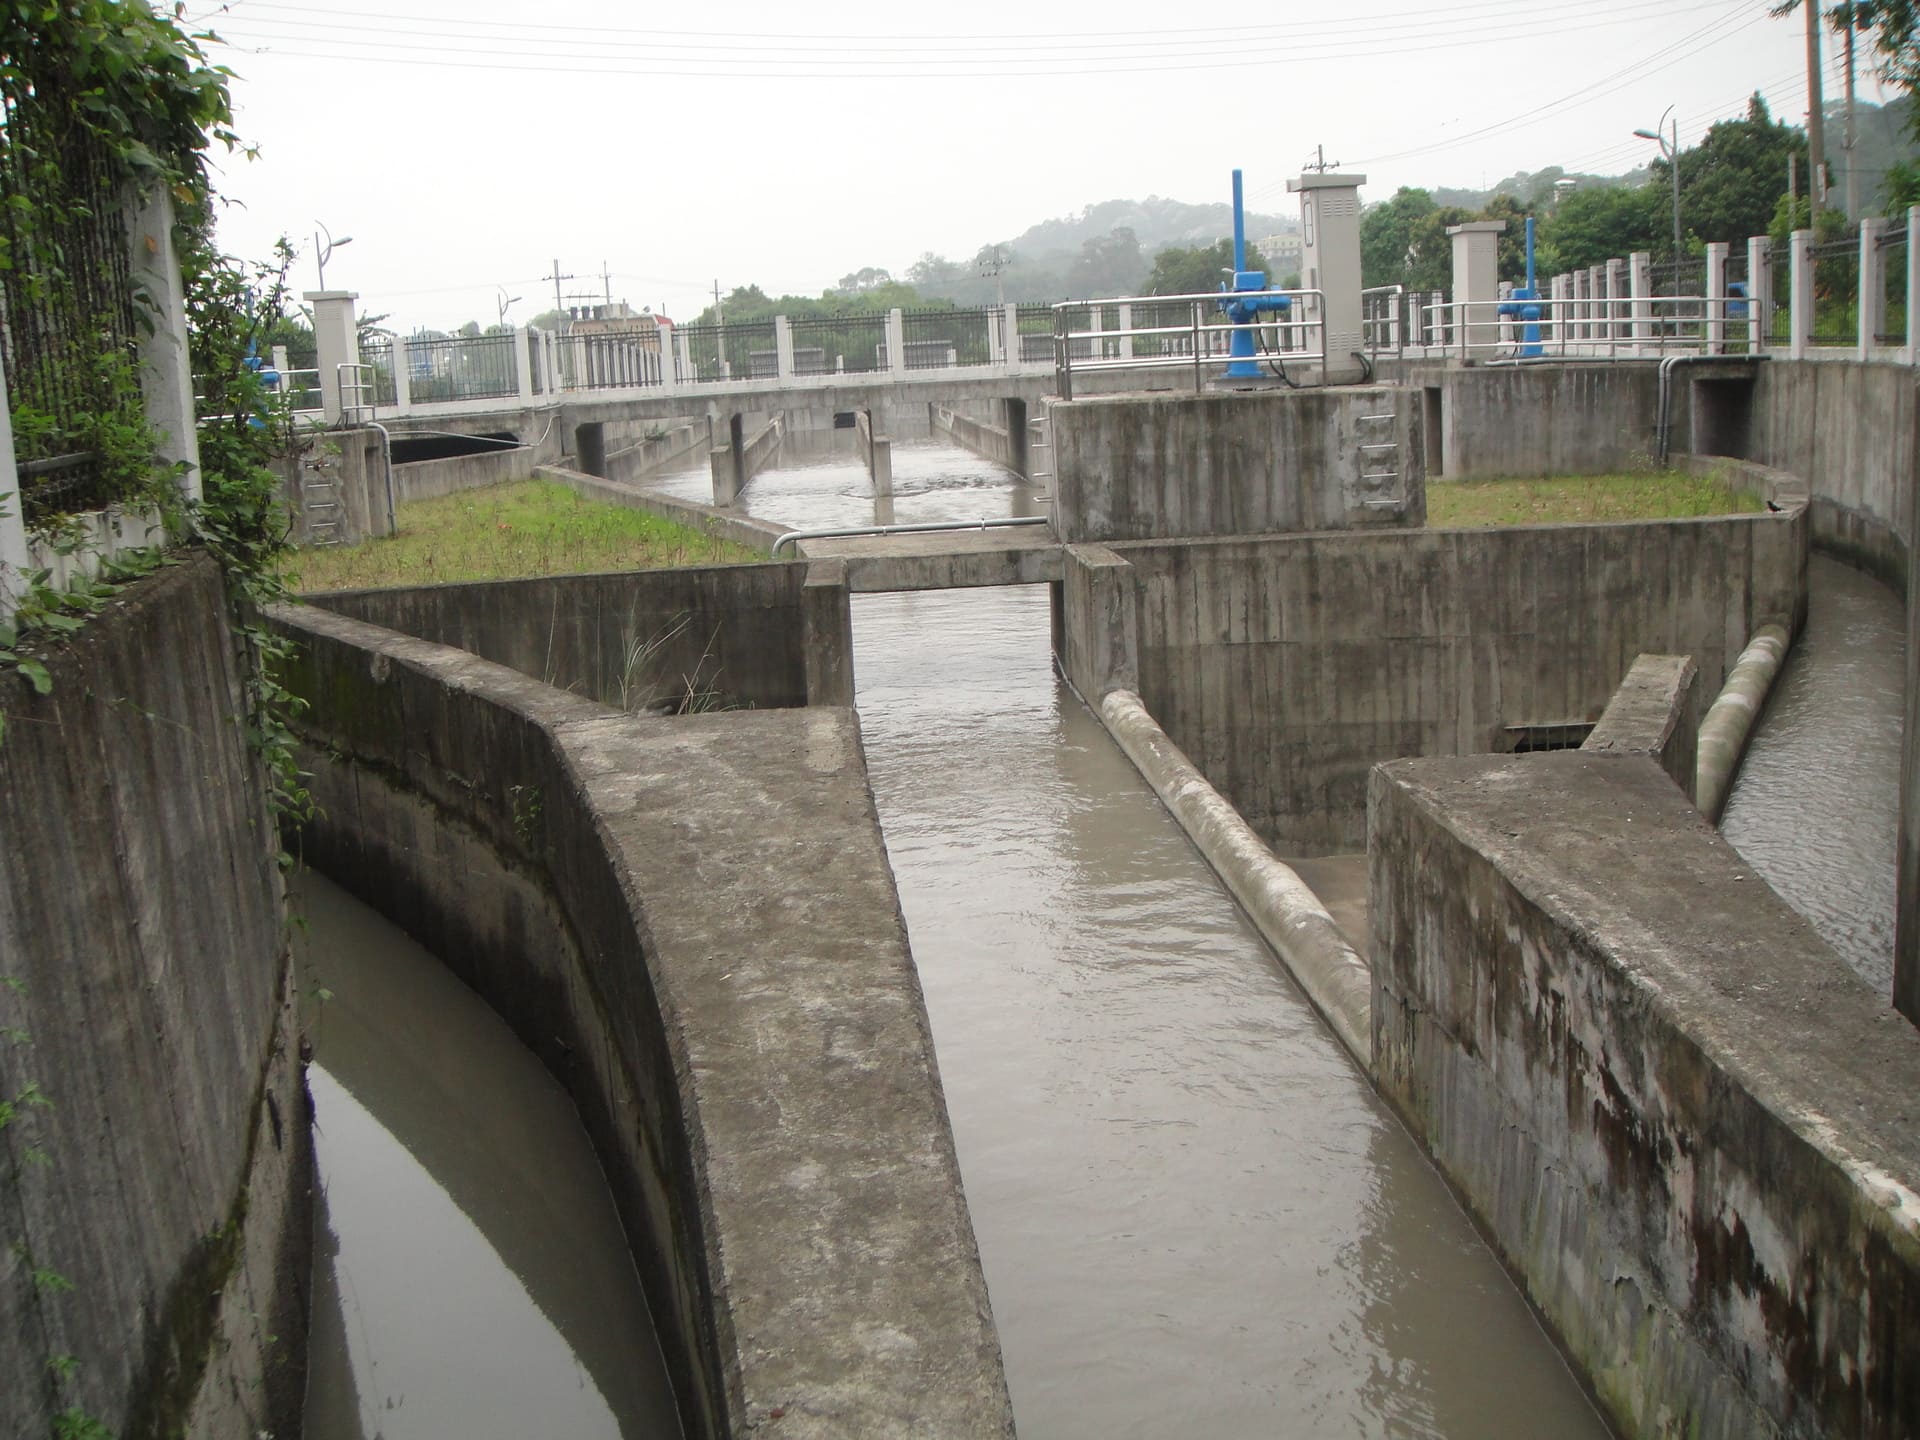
column 1288, row 914
column 1723, row 734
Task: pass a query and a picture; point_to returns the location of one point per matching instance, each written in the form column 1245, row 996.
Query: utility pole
column 1853, row 177
column 1816, row 121
column 606, row 281
column 557, row 277
column 720, row 326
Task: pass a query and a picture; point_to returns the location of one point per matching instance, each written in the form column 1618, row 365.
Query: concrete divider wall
column 428, row 479
column 1285, row 667
column 989, row 442
column 691, row 921
column 149, row 996
column 344, row 468
column 1684, row 1121
column 1655, row 713
column 726, row 637
column 1142, row 467
column 1852, row 430
column 1549, row 419
column 652, row 453
column 731, row 525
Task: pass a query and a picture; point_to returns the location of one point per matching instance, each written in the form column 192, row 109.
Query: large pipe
column 1280, row 904
column 836, row 532
column 1724, row 732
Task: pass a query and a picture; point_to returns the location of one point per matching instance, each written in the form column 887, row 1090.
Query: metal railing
column 943, row 339
column 838, row 344
column 1087, row 337
column 1586, row 328
column 607, row 362
column 461, row 367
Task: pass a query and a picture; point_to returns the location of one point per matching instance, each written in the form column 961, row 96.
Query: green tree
column 1386, row 236
column 1731, row 181
column 1109, row 264
column 1200, row 269
column 1593, row 226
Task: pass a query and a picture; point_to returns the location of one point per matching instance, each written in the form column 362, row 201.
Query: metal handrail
column 1309, row 303
column 837, row 532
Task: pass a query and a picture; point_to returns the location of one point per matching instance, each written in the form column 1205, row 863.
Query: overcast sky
column 465, row 145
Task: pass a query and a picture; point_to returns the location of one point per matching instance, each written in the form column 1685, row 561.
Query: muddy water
column 820, row 480
column 1195, row 1217
column 471, row 1278
column 1816, row 806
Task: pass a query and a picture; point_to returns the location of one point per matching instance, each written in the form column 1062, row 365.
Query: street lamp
column 323, row 251
column 505, row 303
column 1672, row 153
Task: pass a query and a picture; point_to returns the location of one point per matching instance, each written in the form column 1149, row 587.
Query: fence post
column 896, row 344
column 783, row 347
column 1016, row 352
column 1800, row 302
column 166, row 371
column 1871, row 313
column 683, row 358
column 1913, row 284
column 13, row 524
column 1716, row 327
column 1476, row 281
column 402, row 375
column 1640, row 288
column 1759, row 292
column 336, row 342
column 1126, row 323
column 522, row 362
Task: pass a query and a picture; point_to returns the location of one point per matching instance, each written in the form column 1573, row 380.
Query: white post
column 402, row 375
column 1716, row 328
column 1126, row 323
column 1582, row 292
column 1012, row 329
column 783, row 347
column 683, row 357
column 1913, row 284
column 336, row 341
column 13, row 524
column 1640, row 287
column 1619, row 296
column 166, row 371
column 522, row 361
column 896, row 344
column 1800, row 303
column 1476, row 281
column 1759, row 292
column 1561, row 311
column 1871, row 313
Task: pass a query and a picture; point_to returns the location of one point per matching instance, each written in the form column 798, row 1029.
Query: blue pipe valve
column 1244, row 311
column 1523, row 304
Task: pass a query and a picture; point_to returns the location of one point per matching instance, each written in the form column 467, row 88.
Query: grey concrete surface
column 734, row 635
column 1731, row 717
column 1656, row 713
column 1142, row 467
column 944, row 560
column 428, row 479
column 876, row 450
column 1283, row 909
column 693, row 923
column 1286, row 666
column 148, row 996
column 334, row 486
column 989, row 442
column 1684, row 1121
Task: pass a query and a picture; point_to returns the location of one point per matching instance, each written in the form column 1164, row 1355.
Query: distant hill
column 1156, row 222
column 1531, row 186
column 1881, row 136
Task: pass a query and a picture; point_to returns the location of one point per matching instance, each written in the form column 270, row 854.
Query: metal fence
column 69, row 341
column 940, row 339
column 1089, row 336
column 736, row 351
column 461, row 367
column 376, row 351
column 1891, row 323
column 839, row 344
column 608, row 362
column 1836, row 291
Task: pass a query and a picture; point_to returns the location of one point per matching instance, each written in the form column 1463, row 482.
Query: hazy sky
column 467, row 144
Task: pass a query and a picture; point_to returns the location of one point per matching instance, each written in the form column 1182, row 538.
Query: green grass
column 525, row 527
column 1658, row 495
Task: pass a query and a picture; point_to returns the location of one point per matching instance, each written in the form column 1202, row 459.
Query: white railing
column 1190, row 333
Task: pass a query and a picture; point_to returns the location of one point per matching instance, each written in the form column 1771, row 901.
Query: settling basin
column 1816, row 806
column 471, row 1277
column 1196, row 1218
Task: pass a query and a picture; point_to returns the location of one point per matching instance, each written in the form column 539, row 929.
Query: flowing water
column 471, row 1278
column 1816, row 806
column 1196, row 1218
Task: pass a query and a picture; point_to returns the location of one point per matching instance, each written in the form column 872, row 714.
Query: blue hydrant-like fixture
column 1524, row 305
column 267, row 374
column 1244, row 308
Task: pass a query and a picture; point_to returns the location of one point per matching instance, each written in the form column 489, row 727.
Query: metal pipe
column 1664, row 427
column 835, row 532
column 386, row 457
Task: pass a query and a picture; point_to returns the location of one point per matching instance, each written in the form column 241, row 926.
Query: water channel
column 1195, row 1217
column 1816, row 806
column 471, row 1278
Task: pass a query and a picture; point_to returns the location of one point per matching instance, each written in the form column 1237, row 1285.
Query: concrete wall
column 692, row 923
column 1285, row 667
column 1850, row 430
column 427, row 479
column 149, row 995
column 646, row 456
column 1139, row 467
column 989, row 442
column 1655, row 713
column 1684, row 1122
column 729, row 637
column 1557, row 419
column 335, row 468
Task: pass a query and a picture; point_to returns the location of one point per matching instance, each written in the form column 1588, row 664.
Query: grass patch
column 503, row 532
column 1658, row 495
